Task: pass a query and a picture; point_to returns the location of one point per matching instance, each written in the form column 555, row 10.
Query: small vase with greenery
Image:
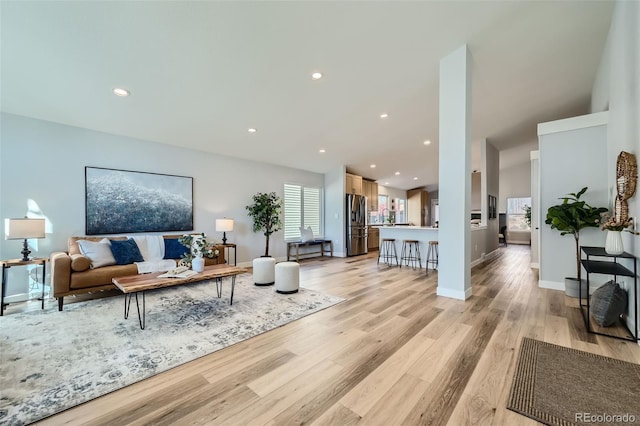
column 570, row 217
column 265, row 212
column 198, row 247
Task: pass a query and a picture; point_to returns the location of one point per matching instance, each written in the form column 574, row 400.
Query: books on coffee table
column 179, row 272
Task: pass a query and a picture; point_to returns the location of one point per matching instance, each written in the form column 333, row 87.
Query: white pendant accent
column 613, row 244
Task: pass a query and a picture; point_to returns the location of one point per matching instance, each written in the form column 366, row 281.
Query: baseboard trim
column 454, row 294
column 19, row 297
column 551, row 285
column 485, row 258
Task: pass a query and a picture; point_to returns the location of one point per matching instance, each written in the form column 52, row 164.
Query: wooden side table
column 6, row 264
column 228, row 247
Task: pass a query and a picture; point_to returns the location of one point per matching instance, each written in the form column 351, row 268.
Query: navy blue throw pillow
column 126, row 251
column 173, row 249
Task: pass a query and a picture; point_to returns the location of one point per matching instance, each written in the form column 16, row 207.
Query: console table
column 6, row 264
column 326, row 246
column 608, row 267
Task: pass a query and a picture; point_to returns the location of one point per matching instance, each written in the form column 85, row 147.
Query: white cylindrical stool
column 264, row 271
column 287, row 277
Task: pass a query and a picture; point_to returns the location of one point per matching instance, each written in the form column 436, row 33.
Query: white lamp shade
column 224, row 225
column 19, row 229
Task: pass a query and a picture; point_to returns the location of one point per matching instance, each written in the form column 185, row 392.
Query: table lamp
column 24, row 228
column 224, row 226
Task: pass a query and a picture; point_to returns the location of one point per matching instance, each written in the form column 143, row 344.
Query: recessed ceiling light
column 252, row 130
column 316, row 75
column 384, row 115
column 427, row 142
column 415, row 178
column 118, row 91
column 397, row 173
column 322, row 151
column 386, row 183
column 373, row 166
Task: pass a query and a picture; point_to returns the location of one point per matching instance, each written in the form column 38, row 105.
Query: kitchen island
column 424, row 234
column 483, row 243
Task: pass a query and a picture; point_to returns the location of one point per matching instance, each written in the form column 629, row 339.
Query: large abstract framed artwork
column 121, row 201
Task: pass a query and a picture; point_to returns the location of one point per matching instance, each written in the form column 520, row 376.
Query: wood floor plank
column 369, row 391
column 268, row 407
column 393, row 353
column 439, row 401
column 338, row 414
column 396, row 402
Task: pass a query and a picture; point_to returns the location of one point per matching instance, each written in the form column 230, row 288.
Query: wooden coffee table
column 134, row 284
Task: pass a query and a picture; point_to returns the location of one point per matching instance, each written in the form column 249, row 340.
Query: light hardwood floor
column 391, row 354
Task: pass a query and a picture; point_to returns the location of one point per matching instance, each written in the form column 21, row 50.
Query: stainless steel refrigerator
column 356, row 224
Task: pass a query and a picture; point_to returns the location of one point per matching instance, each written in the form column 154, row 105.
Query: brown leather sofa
column 71, row 273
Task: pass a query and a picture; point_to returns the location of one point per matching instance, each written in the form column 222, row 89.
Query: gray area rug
column 562, row 386
column 51, row 361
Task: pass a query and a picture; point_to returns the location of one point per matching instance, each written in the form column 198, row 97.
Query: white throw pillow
column 306, row 235
column 98, row 252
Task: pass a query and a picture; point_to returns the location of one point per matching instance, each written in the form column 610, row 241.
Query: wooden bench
column 326, row 246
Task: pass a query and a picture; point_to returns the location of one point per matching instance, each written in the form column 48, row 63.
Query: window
column 516, row 211
column 383, row 203
column 302, row 208
column 401, row 215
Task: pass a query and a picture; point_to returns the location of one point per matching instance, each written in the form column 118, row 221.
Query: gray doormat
column 563, row 386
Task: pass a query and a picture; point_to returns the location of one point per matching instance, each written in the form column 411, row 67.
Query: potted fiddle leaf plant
column 265, row 212
column 569, row 218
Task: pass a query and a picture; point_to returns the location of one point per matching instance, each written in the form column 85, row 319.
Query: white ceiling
column 202, row 73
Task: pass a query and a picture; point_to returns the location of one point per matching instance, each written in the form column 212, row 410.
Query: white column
column 454, row 269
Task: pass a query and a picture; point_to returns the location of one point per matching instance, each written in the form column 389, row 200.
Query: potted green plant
column 527, row 215
column 265, row 212
column 569, row 218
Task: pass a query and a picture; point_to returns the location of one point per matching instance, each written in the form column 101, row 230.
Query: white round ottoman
column 264, row 271
column 287, row 277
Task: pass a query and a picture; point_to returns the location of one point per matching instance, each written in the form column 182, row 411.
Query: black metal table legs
column 142, row 315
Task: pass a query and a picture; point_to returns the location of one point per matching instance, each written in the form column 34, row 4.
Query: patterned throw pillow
column 608, row 302
column 126, row 252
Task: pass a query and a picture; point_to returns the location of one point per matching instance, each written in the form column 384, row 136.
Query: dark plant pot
column 572, row 287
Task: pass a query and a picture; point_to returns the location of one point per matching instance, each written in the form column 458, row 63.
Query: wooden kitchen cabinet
column 354, row 184
column 374, row 238
column 370, row 190
column 418, row 207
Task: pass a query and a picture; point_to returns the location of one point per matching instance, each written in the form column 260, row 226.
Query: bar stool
column 385, row 253
column 432, row 255
column 410, row 253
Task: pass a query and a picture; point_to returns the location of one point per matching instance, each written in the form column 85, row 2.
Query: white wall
column 454, row 270
column 562, row 171
column 491, row 181
column 44, row 162
column 617, row 87
column 476, row 191
column 334, row 203
column 515, row 173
